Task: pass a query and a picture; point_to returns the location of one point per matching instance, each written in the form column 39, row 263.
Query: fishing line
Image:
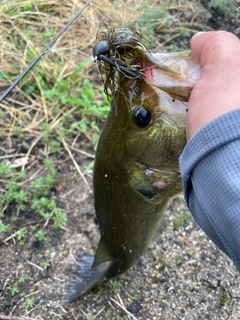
column 46, row 49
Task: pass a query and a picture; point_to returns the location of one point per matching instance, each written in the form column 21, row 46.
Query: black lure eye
column 102, row 47
column 142, row 117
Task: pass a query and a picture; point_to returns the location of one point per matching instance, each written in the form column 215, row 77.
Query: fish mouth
column 174, row 73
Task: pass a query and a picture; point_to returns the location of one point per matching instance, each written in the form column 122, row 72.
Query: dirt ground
column 183, row 275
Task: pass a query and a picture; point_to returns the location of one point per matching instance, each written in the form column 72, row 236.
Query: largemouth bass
column 136, row 169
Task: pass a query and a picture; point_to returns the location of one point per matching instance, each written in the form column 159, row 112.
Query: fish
column 136, row 170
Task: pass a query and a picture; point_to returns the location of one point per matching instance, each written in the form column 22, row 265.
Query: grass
column 116, row 287
column 37, row 197
column 179, row 220
column 29, row 302
column 226, row 6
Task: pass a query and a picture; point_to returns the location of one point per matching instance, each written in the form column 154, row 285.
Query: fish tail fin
column 86, row 277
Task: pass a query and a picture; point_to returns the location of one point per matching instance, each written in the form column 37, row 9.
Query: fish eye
column 142, row 117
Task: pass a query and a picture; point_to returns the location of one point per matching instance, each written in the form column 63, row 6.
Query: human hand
column 218, row 89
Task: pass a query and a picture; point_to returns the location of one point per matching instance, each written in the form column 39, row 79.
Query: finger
column 217, row 90
column 209, row 46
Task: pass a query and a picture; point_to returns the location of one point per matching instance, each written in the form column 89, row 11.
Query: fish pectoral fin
column 102, row 254
column 86, row 278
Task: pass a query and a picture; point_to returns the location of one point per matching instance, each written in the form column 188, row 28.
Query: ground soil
column 183, row 275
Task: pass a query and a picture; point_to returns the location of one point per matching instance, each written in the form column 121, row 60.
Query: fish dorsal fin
column 102, row 254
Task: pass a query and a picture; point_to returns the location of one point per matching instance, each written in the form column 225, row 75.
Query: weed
column 59, row 217
column 203, row 12
column 41, row 235
column 42, row 186
column 155, row 279
column 55, row 146
column 41, row 203
column 29, row 303
column 13, row 192
column 46, row 264
column 224, row 298
column 22, row 278
column 6, row 171
column 226, row 6
column 47, row 208
column 116, row 287
column 174, row 47
column 179, row 220
column 152, row 21
column 20, row 235
column 4, row 227
column 162, row 268
column 17, row 131
column 14, row 289
column 49, row 165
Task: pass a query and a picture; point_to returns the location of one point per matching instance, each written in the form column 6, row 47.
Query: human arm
column 210, row 162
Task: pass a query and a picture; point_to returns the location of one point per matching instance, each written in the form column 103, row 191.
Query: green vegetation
column 41, row 235
column 29, row 302
column 17, row 288
column 152, row 21
column 226, row 6
column 46, row 264
column 224, row 298
column 20, row 235
column 14, row 289
column 116, row 287
column 179, row 221
column 22, row 278
column 155, row 279
column 38, row 196
column 4, row 227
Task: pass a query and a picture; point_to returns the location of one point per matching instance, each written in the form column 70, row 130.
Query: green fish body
column 136, row 169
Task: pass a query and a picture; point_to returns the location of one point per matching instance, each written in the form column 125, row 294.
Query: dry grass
column 27, row 26
column 25, row 32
